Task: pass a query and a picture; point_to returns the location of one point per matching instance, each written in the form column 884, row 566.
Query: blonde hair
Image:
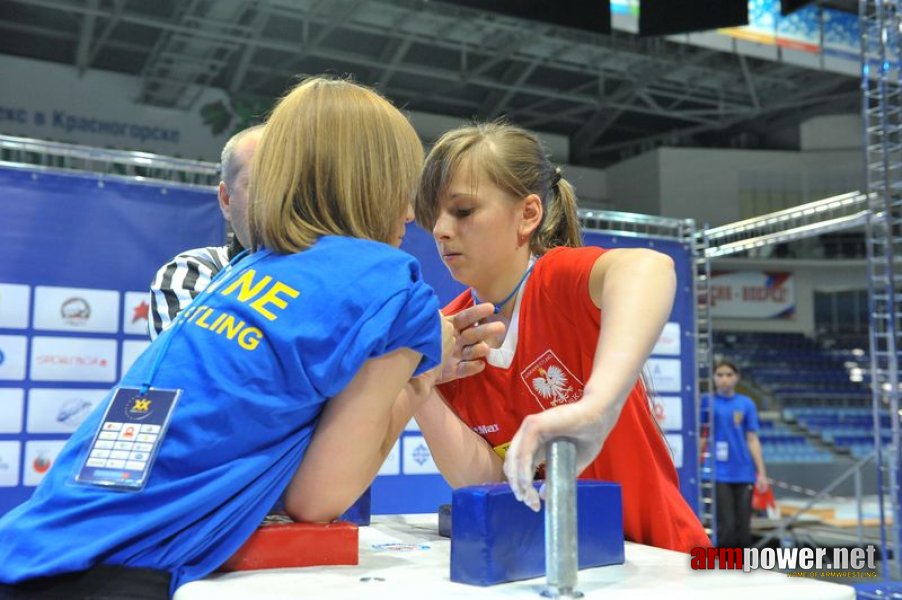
column 513, row 159
column 335, row 158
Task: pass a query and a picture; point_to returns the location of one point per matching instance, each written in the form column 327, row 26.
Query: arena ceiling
column 613, row 95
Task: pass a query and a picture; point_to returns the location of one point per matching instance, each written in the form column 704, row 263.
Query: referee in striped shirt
column 185, row 276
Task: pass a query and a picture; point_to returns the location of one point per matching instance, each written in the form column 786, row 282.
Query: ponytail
column 516, row 161
column 560, row 224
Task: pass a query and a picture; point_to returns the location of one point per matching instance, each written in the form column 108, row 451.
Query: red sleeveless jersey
column 556, row 337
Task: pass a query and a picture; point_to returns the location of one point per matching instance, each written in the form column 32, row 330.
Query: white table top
column 419, row 568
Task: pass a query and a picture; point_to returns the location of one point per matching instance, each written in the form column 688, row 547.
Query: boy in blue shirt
column 739, row 463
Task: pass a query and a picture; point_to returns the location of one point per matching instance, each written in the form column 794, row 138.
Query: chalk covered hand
column 577, row 422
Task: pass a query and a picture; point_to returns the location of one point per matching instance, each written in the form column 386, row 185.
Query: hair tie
column 556, row 178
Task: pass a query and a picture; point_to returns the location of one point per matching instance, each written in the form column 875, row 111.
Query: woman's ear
column 530, row 216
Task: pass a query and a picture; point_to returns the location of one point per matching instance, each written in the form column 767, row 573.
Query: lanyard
column 181, row 319
column 501, row 304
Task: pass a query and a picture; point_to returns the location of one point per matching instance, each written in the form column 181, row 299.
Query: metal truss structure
column 837, row 213
column 19, row 151
column 881, row 44
column 615, row 95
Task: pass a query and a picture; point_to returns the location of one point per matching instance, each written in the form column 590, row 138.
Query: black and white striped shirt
column 177, row 282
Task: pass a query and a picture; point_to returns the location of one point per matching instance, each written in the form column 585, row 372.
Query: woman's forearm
column 462, row 456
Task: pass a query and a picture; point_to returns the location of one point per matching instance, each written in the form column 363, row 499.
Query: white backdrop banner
column 753, row 295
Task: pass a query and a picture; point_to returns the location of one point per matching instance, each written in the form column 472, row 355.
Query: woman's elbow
column 658, row 262
column 310, row 510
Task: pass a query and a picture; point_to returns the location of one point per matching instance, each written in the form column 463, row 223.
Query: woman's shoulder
column 363, row 262
column 561, row 268
column 341, row 243
column 356, row 251
column 565, row 258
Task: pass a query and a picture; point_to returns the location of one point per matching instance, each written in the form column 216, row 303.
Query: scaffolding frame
column 43, row 154
column 685, row 232
column 704, row 382
column 836, row 213
column 881, row 93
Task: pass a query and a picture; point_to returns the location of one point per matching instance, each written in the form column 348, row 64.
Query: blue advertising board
column 79, row 252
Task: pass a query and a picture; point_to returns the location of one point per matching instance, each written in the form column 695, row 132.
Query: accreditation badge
column 125, row 445
column 722, row 451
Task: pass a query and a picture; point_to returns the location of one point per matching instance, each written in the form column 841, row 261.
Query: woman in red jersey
column 506, row 225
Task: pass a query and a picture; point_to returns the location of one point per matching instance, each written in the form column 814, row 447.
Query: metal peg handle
column 561, row 560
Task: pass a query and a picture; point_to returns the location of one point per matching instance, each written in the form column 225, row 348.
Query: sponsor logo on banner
column 39, row 457
column 753, row 295
column 12, row 402
column 665, row 373
column 131, row 350
column 72, row 359
column 10, row 453
column 550, row 382
column 76, row 309
column 668, row 411
column 417, row 458
column 15, row 301
column 136, row 313
column 669, row 342
column 675, row 445
column 392, row 464
column 60, row 410
column 12, row 357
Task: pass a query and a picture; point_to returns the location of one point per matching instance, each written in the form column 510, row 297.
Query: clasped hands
column 466, row 341
column 467, row 338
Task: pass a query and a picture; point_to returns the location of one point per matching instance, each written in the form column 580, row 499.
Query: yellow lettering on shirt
column 271, row 297
column 229, row 323
column 234, row 329
column 249, row 338
column 249, row 288
column 193, row 311
column 263, row 294
column 202, row 320
column 218, row 320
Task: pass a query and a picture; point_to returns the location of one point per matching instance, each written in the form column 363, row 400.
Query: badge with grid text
column 125, row 445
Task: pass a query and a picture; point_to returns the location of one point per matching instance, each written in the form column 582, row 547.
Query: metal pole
column 561, row 564
column 859, row 524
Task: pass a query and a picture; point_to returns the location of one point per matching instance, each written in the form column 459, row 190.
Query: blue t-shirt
column 733, row 418
column 256, row 361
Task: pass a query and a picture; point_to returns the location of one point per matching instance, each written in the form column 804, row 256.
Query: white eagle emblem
column 552, row 384
column 550, row 381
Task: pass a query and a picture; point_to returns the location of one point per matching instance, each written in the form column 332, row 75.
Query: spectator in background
column 185, row 276
column 739, row 463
